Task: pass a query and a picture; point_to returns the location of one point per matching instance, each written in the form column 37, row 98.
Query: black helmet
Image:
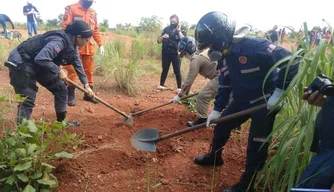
column 214, row 30
column 186, row 45
column 79, row 27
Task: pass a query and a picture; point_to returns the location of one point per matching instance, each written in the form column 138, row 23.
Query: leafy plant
column 122, row 71
column 26, row 154
column 191, row 103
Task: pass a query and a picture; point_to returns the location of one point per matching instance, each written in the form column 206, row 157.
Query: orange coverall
column 74, row 12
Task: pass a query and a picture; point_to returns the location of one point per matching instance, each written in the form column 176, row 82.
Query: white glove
column 213, row 115
column 274, row 98
column 176, row 99
column 102, row 50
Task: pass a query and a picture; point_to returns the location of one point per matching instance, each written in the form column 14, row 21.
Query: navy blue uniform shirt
column 244, row 69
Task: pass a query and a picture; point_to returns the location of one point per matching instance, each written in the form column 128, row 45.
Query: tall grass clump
column 122, row 71
column 139, row 49
column 3, row 53
column 293, row 130
column 5, row 48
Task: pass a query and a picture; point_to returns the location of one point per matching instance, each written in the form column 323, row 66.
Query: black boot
column 87, row 98
column 214, row 157
column 71, row 96
column 198, row 121
column 61, row 117
column 245, row 184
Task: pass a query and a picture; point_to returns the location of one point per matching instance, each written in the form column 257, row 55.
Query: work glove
column 176, row 99
column 274, row 98
column 102, row 50
column 213, row 115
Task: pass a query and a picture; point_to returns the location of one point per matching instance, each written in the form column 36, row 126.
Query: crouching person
column 38, row 59
column 199, row 64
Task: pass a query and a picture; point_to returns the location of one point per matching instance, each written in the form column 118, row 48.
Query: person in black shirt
column 170, row 37
column 30, row 11
column 3, row 19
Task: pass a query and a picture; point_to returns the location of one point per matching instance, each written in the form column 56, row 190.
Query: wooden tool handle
column 97, row 98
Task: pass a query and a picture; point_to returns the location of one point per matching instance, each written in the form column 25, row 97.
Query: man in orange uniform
column 82, row 11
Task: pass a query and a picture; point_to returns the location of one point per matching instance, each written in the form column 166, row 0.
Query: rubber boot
column 61, row 117
column 71, row 96
column 214, row 157
column 87, row 98
column 198, row 121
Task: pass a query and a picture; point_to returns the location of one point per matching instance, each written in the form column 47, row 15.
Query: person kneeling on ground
column 38, row 59
column 199, row 64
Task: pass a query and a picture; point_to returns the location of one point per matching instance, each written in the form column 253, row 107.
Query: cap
column 79, row 27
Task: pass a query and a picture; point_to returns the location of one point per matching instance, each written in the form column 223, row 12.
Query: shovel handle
column 219, row 120
column 97, row 98
column 161, row 105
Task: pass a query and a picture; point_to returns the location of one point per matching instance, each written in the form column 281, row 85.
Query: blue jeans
column 31, row 26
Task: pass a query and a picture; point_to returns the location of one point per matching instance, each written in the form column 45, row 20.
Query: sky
column 261, row 14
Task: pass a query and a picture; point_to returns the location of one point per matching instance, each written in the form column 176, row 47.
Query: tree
column 55, row 22
column 184, row 25
column 60, row 18
column 52, row 22
column 40, row 21
column 119, row 26
column 104, row 24
column 193, row 26
column 152, row 23
column 128, row 26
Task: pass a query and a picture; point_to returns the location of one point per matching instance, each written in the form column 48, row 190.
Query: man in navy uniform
column 243, row 64
column 38, row 59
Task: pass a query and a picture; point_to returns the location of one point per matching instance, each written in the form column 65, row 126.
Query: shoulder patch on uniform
column 57, row 48
column 242, row 59
column 271, row 48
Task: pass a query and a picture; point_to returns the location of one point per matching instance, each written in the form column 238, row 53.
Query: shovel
column 161, row 105
column 127, row 119
column 146, row 139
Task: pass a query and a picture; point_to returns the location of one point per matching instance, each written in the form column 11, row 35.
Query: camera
column 323, row 84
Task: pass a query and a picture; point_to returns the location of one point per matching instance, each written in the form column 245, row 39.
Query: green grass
column 293, row 130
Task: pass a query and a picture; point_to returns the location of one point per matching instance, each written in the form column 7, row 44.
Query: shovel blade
column 145, row 140
column 128, row 121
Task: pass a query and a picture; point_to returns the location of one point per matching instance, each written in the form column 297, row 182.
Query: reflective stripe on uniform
column 225, row 86
column 250, row 70
column 260, row 98
column 261, row 140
